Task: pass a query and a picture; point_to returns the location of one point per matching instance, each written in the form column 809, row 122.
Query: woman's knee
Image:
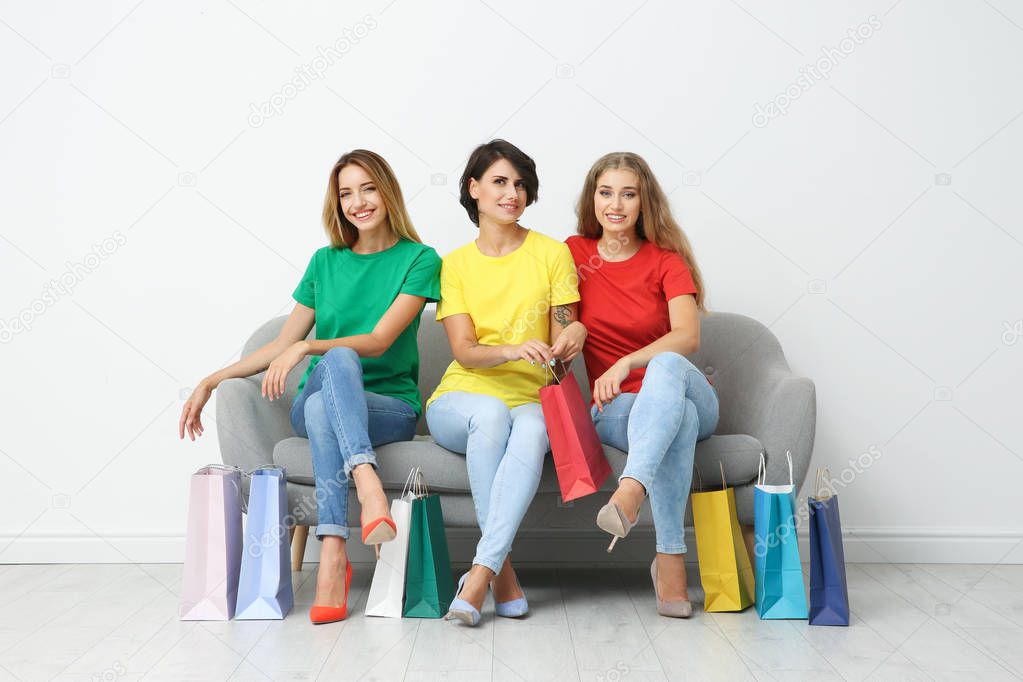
column 672, row 362
column 490, row 415
column 341, row 358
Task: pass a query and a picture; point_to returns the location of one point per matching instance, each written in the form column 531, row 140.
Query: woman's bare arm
column 295, row 329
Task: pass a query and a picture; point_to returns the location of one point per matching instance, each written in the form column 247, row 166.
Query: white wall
column 876, row 225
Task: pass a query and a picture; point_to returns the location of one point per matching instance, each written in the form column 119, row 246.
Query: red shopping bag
column 578, row 455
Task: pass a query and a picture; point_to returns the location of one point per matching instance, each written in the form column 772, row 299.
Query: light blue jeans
column 659, row 428
column 343, row 423
column 504, row 451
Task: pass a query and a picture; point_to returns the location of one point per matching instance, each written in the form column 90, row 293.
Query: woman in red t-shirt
column 642, row 296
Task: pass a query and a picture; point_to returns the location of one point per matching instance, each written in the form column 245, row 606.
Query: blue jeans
column 504, row 451
column 343, row 423
column 659, row 428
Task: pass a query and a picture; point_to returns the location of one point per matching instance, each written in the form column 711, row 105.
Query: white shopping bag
column 387, row 591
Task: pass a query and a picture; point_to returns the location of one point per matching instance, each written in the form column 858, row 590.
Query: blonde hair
column 339, row 229
column 655, row 224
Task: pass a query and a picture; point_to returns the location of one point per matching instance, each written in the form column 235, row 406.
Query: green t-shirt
column 351, row 292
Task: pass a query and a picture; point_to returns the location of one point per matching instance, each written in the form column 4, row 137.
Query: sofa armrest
column 782, row 415
column 249, row 425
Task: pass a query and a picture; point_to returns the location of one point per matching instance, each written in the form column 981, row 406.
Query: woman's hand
column 191, row 413
column 534, row 351
column 609, row 385
column 277, row 373
column 570, row 342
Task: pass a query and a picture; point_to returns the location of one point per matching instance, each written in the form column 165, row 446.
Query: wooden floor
column 119, row 622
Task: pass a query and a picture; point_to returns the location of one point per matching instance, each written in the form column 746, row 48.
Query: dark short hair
column 482, row 158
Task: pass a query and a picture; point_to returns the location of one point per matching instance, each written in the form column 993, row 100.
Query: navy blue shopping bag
column 829, row 591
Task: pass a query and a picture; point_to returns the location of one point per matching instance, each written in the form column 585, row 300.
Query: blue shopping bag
column 829, row 590
column 779, row 574
column 264, row 586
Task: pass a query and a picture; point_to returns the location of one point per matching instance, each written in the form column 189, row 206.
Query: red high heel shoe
column 379, row 530
column 331, row 614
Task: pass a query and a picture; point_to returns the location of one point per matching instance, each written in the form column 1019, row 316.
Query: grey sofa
column 764, row 406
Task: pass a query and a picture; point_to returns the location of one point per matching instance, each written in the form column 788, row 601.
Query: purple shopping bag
column 264, row 583
column 213, row 544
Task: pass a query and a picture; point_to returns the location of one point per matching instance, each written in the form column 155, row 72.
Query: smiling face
column 616, row 201
column 361, row 204
column 500, row 193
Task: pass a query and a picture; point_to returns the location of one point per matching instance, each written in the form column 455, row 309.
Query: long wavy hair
column 339, row 229
column 655, row 223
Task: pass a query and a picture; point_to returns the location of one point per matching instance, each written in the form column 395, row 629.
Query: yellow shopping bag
column 725, row 570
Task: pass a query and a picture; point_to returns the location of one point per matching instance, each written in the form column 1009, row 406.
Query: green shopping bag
column 429, row 587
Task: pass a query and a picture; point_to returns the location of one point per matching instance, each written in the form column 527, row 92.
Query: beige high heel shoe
column 611, row 519
column 672, row 609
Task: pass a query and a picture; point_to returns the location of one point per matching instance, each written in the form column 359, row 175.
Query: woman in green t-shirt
column 365, row 294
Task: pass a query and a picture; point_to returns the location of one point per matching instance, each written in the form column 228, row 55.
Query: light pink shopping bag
column 213, row 544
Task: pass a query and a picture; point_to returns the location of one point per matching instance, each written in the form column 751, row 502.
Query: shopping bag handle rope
column 823, row 492
column 407, row 488
column 762, row 468
column 547, row 369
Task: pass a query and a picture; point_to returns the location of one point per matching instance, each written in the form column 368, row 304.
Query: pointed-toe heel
column 611, row 519
column 462, row 610
column 320, row 615
column 672, row 609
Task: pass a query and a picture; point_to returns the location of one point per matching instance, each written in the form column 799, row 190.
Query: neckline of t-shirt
column 631, row 260
column 375, row 254
column 520, row 247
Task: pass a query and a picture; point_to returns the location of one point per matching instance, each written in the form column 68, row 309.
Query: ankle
column 332, row 552
column 629, row 496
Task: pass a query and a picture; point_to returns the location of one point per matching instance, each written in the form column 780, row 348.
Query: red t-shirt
column 624, row 304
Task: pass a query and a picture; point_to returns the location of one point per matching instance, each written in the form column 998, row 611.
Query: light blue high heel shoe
column 461, row 609
column 516, row 608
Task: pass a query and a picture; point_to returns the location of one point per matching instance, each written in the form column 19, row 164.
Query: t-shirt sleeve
column 676, row 280
column 305, row 292
column 564, row 279
column 423, row 276
column 575, row 248
column 452, row 299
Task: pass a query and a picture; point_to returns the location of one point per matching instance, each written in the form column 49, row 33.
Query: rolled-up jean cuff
column 642, row 480
column 356, row 460
column 670, row 549
column 331, row 530
column 493, row 566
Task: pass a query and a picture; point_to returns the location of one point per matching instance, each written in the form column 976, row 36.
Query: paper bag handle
column 762, row 468
column 265, row 467
column 546, row 369
column 823, row 492
column 407, row 488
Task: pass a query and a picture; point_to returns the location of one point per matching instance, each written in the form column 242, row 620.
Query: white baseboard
column 552, row 547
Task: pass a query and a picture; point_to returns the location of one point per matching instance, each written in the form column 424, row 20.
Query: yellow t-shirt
column 509, row 300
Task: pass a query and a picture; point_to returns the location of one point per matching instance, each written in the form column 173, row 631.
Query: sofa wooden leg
column 298, row 538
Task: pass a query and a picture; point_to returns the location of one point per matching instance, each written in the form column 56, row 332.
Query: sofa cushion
column 445, row 471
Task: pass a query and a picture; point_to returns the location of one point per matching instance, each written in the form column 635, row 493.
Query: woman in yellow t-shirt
column 508, row 303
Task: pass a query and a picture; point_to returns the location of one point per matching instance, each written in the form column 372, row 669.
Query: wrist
column 211, row 382
column 303, row 347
